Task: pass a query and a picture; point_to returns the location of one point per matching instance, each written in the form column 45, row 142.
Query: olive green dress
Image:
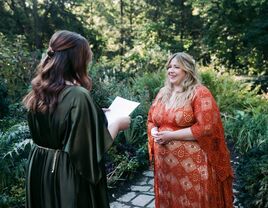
column 65, row 168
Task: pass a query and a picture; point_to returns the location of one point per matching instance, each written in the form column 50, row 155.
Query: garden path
column 139, row 194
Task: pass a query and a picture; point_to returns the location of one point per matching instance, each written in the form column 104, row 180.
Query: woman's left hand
column 105, row 110
column 163, row 137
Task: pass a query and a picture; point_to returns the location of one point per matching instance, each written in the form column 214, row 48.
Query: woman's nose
column 170, row 69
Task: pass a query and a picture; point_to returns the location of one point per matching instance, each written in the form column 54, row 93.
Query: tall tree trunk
column 12, row 6
column 182, row 25
column 131, row 25
column 36, row 26
column 121, row 33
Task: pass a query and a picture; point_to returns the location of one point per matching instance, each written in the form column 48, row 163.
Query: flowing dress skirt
column 184, row 178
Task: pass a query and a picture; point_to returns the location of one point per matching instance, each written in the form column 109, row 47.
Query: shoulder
column 77, row 90
column 161, row 92
column 202, row 91
column 159, row 95
column 77, row 95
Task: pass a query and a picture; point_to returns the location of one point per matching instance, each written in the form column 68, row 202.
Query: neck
column 177, row 89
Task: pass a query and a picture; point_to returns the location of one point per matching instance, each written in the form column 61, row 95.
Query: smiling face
column 175, row 73
column 181, row 80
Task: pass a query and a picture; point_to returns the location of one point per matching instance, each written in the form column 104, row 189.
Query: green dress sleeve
column 88, row 138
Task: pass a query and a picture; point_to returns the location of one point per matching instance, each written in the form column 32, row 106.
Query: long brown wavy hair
column 67, row 59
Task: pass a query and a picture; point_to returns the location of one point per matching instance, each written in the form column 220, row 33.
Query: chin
column 173, row 82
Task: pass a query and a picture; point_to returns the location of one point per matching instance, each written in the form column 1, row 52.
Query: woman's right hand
column 154, row 131
column 123, row 123
column 119, row 124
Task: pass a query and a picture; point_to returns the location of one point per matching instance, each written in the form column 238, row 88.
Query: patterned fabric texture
column 191, row 174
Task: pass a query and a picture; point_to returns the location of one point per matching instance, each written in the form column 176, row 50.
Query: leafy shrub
column 252, row 173
column 108, row 72
column 149, row 83
column 232, row 95
column 3, row 99
column 16, row 114
column 122, row 166
column 144, row 58
column 135, row 135
column 247, row 130
column 126, row 157
column 7, row 122
column 17, row 65
column 134, row 63
column 15, row 145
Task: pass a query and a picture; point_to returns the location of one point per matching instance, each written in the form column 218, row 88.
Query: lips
column 172, row 76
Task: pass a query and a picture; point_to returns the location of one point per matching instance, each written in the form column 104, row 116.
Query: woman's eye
column 175, row 67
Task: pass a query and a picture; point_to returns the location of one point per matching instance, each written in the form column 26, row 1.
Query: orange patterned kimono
column 191, row 174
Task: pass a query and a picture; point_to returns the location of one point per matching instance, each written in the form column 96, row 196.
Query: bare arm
column 183, row 134
column 113, row 129
column 119, row 125
column 164, row 137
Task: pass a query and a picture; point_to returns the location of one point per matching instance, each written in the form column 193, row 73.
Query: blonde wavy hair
column 189, row 84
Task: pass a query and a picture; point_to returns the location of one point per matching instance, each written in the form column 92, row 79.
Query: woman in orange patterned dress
column 186, row 142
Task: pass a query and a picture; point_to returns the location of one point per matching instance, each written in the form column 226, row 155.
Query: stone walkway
column 141, row 194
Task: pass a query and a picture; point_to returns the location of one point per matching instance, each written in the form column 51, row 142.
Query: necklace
column 68, row 82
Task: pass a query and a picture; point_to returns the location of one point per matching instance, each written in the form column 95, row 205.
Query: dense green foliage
column 38, row 20
column 247, row 130
column 15, row 145
column 233, row 95
column 229, row 33
column 252, row 174
column 3, row 99
column 236, row 32
column 17, row 65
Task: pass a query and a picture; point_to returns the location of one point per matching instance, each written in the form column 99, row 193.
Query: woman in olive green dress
column 70, row 132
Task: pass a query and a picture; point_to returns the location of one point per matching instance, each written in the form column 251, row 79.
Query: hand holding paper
column 120, row 107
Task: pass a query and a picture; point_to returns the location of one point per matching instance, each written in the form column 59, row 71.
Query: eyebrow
column 174, row 65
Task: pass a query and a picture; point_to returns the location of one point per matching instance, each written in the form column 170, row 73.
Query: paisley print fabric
column 191, row 174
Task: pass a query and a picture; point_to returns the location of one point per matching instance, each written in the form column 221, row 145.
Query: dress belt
column 46, row 148
column 57, row 151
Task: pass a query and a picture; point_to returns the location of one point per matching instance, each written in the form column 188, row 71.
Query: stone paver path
column 141, row 194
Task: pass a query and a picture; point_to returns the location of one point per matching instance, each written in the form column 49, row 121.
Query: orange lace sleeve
column 150, row 125
column 209, row 133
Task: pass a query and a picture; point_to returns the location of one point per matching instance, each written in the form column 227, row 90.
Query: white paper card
column 120, row 107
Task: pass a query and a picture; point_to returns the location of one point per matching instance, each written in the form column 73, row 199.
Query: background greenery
column 131, row 41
